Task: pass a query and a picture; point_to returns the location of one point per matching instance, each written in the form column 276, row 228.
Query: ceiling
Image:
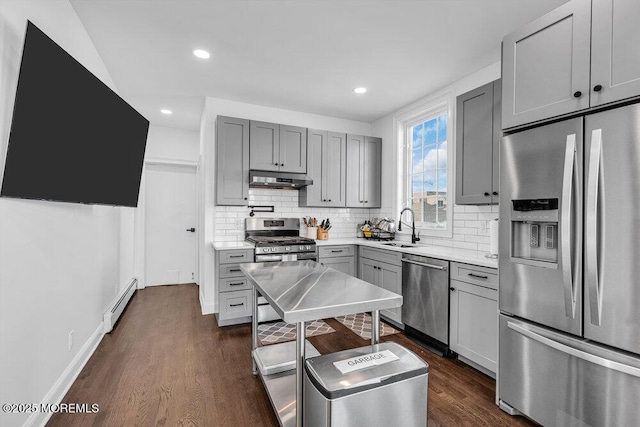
column 302, row 55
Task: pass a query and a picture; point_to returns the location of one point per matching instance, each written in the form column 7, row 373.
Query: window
column 426, row 184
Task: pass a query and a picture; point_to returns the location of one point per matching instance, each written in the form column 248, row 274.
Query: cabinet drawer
column 234, row 284
column 228, row 257
column 235, row 304
column 391, row 257
column 482, row 276
column 335, row 251
column 230, row 270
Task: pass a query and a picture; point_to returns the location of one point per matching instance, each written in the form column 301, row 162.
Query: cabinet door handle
column 577, row 94
column 236, row 305
column 329, row 200
column 452, row 289
column 478, row 276
column 366, row 201
column 281, row 164
column 236, row 256
column 495, row 193
column 597, row 88
column 486, row 193
column 275, row 164
column 336, row 250
column 233, row 270
column 245, row 198
column 236, row 284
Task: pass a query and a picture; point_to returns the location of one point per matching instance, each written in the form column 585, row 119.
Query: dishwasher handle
column 424, row 264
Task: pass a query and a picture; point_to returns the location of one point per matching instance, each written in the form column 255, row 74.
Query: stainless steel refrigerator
column 569, row 265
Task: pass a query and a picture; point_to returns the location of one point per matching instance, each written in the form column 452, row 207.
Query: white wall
column 467, row 220
column 164, row 143
column 59, row 262
column 226, row 223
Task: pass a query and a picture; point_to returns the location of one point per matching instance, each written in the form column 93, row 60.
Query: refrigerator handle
column 594, row 229
column 570, row 165
column 604, row 362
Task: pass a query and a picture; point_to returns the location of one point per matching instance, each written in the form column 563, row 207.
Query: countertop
column 301, row 291
column 465, row 256
column 224, row 246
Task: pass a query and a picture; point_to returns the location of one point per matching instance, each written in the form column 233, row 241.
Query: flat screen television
column 72, row 138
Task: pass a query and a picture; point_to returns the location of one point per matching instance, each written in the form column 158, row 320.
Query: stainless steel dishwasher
column 425, row 293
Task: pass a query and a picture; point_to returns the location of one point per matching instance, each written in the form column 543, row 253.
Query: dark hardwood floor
column 167, row 364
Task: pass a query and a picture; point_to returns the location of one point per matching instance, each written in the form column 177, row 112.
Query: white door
column 170, row 215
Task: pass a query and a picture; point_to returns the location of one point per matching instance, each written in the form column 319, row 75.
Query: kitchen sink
column 400, row 245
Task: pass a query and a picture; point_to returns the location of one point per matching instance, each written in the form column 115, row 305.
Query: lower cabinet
column 235, row 293
column 474, row 315
column 339, row 257
column 384, row 269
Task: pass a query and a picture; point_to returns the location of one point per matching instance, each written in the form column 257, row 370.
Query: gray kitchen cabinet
column 580, row 55
column 384, row 269
column 474, row 315
column 264, row 146
column 232, row 161
column 615, row 61
column 327, row 167
column 235, row 293
column 277, row 148
column 339, row 257
column 478, row 133
column 364, row 171
column 545, row 66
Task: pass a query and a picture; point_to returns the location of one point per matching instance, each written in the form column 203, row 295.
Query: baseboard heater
column 113, row 313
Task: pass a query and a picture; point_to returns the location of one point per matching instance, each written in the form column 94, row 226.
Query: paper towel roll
column 493, row 242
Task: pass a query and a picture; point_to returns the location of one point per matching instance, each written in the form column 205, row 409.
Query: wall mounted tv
column 72, row 138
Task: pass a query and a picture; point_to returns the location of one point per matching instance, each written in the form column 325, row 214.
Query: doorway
column 170, row 224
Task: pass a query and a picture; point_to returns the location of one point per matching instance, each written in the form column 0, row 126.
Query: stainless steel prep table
column 302, row 291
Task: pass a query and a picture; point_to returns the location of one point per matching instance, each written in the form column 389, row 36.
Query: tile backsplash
column 229, row 220
column 471, row 228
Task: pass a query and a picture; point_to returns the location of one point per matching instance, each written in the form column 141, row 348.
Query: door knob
column 192, row 229
column 597, row 88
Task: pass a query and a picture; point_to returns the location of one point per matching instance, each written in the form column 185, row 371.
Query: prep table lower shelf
column 281, row 389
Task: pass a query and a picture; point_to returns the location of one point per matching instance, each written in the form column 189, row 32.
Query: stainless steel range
column 278, row 239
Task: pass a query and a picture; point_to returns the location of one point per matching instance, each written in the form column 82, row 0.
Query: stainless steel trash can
column 380, row 385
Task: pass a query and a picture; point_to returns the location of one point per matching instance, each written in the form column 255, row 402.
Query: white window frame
column 403, row 121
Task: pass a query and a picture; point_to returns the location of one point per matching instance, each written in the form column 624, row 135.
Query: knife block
column 323, row 234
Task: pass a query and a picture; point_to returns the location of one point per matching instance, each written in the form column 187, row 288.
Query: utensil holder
column 323, row 234
column 312, row 232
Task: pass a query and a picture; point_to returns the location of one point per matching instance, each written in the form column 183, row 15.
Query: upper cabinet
column 615, row 58
column 232, row 161
column 326, row 165
column 364, row 171
column 278, row 148
column 478, row 134
column 575, row 57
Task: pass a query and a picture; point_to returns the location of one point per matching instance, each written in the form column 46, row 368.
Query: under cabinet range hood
column 283, row 180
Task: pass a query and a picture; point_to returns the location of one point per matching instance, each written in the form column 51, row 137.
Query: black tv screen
column 72, row 138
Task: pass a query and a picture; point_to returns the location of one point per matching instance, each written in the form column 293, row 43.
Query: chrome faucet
column 414, row 238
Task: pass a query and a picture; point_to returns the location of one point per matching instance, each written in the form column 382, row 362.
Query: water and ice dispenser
column 534, row 231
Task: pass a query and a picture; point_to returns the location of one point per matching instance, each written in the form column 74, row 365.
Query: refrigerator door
column 559, row 380
column 540, row 263
column 612, row 228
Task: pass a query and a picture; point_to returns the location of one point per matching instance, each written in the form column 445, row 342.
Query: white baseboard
column 206, row 307
column 61, row 387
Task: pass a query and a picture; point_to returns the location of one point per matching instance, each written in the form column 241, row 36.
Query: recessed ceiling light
column 167, row 112
column 202, row 54
column 360, row 90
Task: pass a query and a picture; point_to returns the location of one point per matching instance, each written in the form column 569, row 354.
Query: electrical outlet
column 70, row 340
